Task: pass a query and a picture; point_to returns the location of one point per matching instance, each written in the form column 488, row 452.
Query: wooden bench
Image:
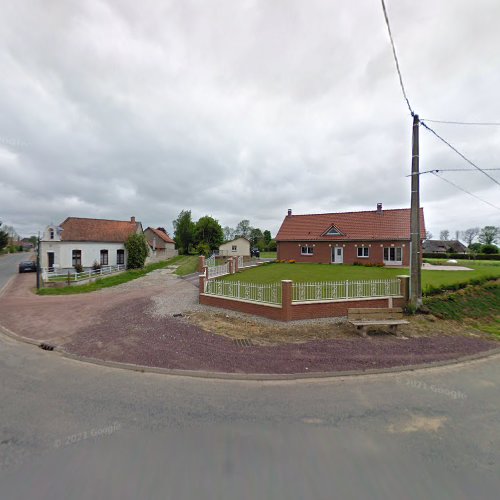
column 364, row 318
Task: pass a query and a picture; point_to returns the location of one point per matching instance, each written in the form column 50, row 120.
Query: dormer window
column 333, row 231
column 51, row 233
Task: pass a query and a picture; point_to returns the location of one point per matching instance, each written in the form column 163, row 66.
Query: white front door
column 337, row 255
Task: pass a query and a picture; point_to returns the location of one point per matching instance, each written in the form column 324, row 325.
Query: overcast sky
column 241, row 109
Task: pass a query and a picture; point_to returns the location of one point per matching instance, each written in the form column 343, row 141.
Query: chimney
column 379, row 208
column 289, row 211
column 132, row 219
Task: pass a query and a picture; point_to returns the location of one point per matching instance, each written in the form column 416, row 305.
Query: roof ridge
column 351, row 212
column 95, row 218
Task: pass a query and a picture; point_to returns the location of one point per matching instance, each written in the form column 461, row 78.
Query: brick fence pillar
column 236, row 264
column 286, row 299
column 231, row 265
column 202, row 278
column 405, row 287
column 201, row 263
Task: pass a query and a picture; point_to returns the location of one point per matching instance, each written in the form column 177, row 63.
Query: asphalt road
column 9, row 266
column 74, row 430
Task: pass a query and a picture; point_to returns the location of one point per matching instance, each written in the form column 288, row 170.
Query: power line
column 464, row 190
column 493, row 124
column 451, row 170
column 459, row 153
column 396, row 57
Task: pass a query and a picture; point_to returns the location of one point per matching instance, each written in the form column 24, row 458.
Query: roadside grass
column 187, row 264
column 268, row 255
column 479, row 303
column 432, row 281
column 116, row 279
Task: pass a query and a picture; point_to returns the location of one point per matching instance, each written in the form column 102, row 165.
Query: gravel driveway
column 135, row 323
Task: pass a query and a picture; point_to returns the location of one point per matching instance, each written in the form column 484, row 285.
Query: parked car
column 27, row 266
column 255, row 252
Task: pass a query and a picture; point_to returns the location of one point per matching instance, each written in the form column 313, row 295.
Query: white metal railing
column 335, row 290
column 51, row 276
column 211, row 261
column 255, row 292
column 215, row 271
column 241, row 261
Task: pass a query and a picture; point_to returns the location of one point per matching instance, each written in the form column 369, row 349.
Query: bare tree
column 469, row 235
column 444, row 235
column 428, row 235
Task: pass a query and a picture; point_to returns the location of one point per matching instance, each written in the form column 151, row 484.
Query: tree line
column 487, row 238
column 206, row 235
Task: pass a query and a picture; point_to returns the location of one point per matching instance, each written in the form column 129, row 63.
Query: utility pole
column 38, row 261
column 415, row 260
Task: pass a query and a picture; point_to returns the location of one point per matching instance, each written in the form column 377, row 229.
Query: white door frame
column 337, row 257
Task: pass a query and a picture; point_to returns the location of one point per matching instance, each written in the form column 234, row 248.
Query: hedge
column 466, row 256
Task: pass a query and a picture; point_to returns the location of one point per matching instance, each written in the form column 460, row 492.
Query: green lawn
column 116, row 279
column 188, row 264
column 268, row 255
column 271, row 273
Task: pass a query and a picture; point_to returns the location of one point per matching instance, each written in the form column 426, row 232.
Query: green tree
column 137, row 250
column 267, row 237
column 4, row 238
column 489, row 235
column 208, row 230
column 243, row 229
column 489, row 249
column 184, row 231
column 256, row 236
column 272, row 246
column 228, row 233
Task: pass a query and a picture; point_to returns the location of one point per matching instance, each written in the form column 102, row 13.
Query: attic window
column 333, row 231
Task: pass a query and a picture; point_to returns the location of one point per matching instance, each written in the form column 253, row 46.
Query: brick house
column 161, row 245
column 85, row 241
column 377, row 237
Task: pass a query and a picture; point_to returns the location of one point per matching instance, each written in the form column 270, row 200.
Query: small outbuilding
column 237, row 247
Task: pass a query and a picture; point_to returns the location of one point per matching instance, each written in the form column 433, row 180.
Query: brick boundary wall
column 292, row 311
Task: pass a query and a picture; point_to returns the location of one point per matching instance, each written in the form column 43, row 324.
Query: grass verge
column 116, row 279
column 187, row 264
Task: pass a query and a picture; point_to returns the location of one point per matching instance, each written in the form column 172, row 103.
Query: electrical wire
column 492, row 124
column 450, row 170
column 464, row 190
column 459, row 153
column 396, row 57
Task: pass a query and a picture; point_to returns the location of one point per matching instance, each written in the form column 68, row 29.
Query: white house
column 80, row 241
column 238, row 246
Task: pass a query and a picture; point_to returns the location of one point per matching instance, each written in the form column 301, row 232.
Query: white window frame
column 365, row 253
column 104, row 253
column 309, row 250
column 393, row 261
column 234, row 248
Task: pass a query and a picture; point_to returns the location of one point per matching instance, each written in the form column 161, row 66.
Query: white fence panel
column 336, row 290
column 266, row 293
column 221, row 270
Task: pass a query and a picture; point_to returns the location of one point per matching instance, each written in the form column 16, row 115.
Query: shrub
column 96, row 266
column 489, row 249
column 137, row 249
column 291, row 261
column 78, row 268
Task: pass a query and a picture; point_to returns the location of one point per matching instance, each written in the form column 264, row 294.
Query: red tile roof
column 160, row 234
column 354, row 226
column 112, row 231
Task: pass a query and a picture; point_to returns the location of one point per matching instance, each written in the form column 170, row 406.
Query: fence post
column 286, row 300
column 201, row 263
column 231, row 265
column 405, row 287
column 205, row 271
column 236, row 264
column 202, row 278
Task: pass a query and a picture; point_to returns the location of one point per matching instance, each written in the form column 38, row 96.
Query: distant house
column 236, row 247
column 444, row 246
column 26, row 244
column 81, row 241
column 161, row 245
column 376, row 237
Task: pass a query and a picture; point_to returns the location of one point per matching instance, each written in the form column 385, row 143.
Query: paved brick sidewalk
column 122, row 324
